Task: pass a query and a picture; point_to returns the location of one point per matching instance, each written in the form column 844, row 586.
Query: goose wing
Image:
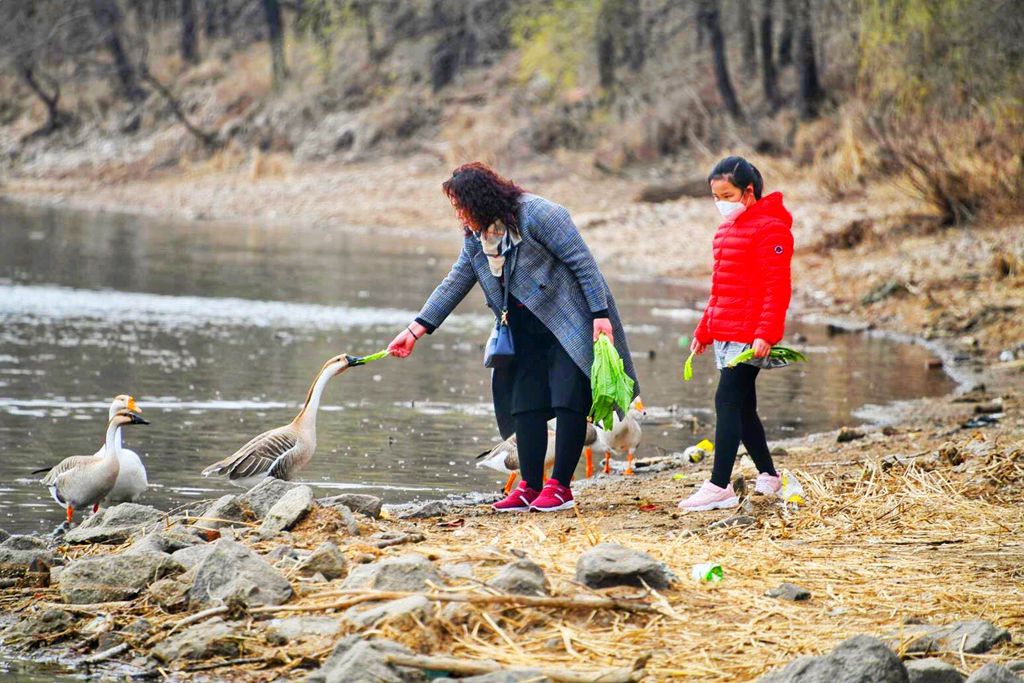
column 258, row 456
column 65, row 466
column 504, row 457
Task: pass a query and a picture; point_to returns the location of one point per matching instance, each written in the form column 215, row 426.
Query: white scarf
column 497, row 241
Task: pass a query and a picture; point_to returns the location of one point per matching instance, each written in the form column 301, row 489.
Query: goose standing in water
column 282, row 452
column 625, row 436
column 132, row 481
column 84, row 480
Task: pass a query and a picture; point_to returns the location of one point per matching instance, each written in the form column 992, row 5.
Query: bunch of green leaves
column 780, row 352
column 611, row 387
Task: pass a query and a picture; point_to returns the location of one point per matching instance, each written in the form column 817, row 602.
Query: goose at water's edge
column 625, row 436
column 132, row 481
column 505, row 458
column 282, row 452
column 84, row 480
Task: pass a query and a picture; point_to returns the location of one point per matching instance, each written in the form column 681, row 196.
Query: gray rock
column 514, row 676
column 355, row 660
column 993, row 673
column 288, row 510
column 433, row 508
column 976, row 637
column 609, row 564
column 113, row 577
column 861, row 659
column 289, row 629
column 789, row 591
column 169, row 540
column 205, row 640
column 349, row 520
column 326, row 560
column 457, row 570
column 261, row 498
column 191, row 556
column 225, row 511
column 115, row 524
column 20, row 553
column 405, row 573
column 734, row 520
column 932, row 671
column 1016, row 666
column 523, row 577
column 44, row 624
column 360, row 503
column 4, row 535
column 392, row 610
column 231, row 572
column 847, row 434
column 171, row 593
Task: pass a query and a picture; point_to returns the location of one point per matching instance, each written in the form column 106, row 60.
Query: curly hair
column 481, row 196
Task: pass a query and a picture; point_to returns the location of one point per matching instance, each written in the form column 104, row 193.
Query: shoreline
column 611, row 510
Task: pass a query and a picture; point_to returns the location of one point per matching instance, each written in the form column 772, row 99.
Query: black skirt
column 543, row 376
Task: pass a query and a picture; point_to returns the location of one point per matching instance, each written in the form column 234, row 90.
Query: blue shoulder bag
column 500, row 350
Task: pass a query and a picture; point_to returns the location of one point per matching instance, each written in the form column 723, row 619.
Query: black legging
column 532, row 440
column 736, row 420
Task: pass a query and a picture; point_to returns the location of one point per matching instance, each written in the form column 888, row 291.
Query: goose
column 280, row 453
column 625, row 436
column 594, row 442
column 132, row 481
column 84, row 480
column 505, row 458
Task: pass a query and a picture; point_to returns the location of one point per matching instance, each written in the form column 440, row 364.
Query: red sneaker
column 553, row 497
column 517, row 501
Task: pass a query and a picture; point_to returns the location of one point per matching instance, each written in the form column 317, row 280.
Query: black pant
column 532, row 440
column 736, row 420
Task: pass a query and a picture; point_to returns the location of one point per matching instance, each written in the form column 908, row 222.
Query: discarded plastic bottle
column 700, row 451
column 709, row 572
column 791, row 492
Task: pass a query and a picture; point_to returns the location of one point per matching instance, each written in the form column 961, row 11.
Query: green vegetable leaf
column 688, row 368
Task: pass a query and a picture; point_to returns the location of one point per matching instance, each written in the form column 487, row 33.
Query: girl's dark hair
column 481, row 196
column 739, row 172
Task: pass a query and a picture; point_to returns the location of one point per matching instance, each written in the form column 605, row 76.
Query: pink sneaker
column 768, row 484
column 553, row 497
column 710, row 497
column 517, row 501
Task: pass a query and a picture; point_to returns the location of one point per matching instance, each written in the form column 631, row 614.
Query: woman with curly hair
column 524, row 249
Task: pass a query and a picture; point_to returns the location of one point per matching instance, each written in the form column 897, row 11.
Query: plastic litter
column 791, row 492
column 700, row 451
column 708, row 572
column 611, row 387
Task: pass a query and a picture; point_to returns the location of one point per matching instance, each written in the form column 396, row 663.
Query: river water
column 217, row 329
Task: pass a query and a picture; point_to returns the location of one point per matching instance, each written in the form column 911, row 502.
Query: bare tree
column 709, row 17
column 621, row 39
column 189, row 50
column 108, row 19
column 745, row 18
column 769, row 77
column 789, row 20
column 275, row 33
column 811, row 92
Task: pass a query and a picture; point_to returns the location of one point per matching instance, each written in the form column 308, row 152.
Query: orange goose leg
column 511, row 480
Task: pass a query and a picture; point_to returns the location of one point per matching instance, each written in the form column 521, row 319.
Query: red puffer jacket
column 750, row 284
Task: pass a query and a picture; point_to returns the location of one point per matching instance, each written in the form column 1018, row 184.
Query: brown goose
column 505, row 458
column 84, row 480
column 282, row 452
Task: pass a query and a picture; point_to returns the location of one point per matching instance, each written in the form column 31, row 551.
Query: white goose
column 84, row 480
column 282, row 452
column 625, row 436
column 132, row 481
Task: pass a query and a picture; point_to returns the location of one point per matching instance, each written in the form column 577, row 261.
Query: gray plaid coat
column 555, row 277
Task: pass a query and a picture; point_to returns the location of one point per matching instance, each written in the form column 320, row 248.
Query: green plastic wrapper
column 610, row 385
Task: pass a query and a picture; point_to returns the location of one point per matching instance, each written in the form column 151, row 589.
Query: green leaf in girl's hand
column 688, row 368
column 780, row 352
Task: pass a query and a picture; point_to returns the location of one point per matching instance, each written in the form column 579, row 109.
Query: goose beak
column 139, row 420
column 640, row 405
column 133, row 406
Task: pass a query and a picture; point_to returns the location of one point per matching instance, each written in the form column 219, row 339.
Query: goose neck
column 308, row 413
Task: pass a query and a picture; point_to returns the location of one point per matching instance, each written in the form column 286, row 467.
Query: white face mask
column 729, row 209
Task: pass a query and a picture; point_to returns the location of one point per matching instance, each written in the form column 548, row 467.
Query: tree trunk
column 789, row 19
column 769, row 79
column 275, row 33
column 811, row 92
column 108, row 20
column 746, row 21
column 211, row 16
column 709, row 18
column 54, row 118
column 189, row 52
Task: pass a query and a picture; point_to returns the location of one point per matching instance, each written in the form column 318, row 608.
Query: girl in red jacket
column 750, row 291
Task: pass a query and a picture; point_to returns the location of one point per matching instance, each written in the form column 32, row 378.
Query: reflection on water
column 218, row 328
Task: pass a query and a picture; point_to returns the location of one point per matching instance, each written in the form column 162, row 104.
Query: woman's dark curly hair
column 481, row 196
